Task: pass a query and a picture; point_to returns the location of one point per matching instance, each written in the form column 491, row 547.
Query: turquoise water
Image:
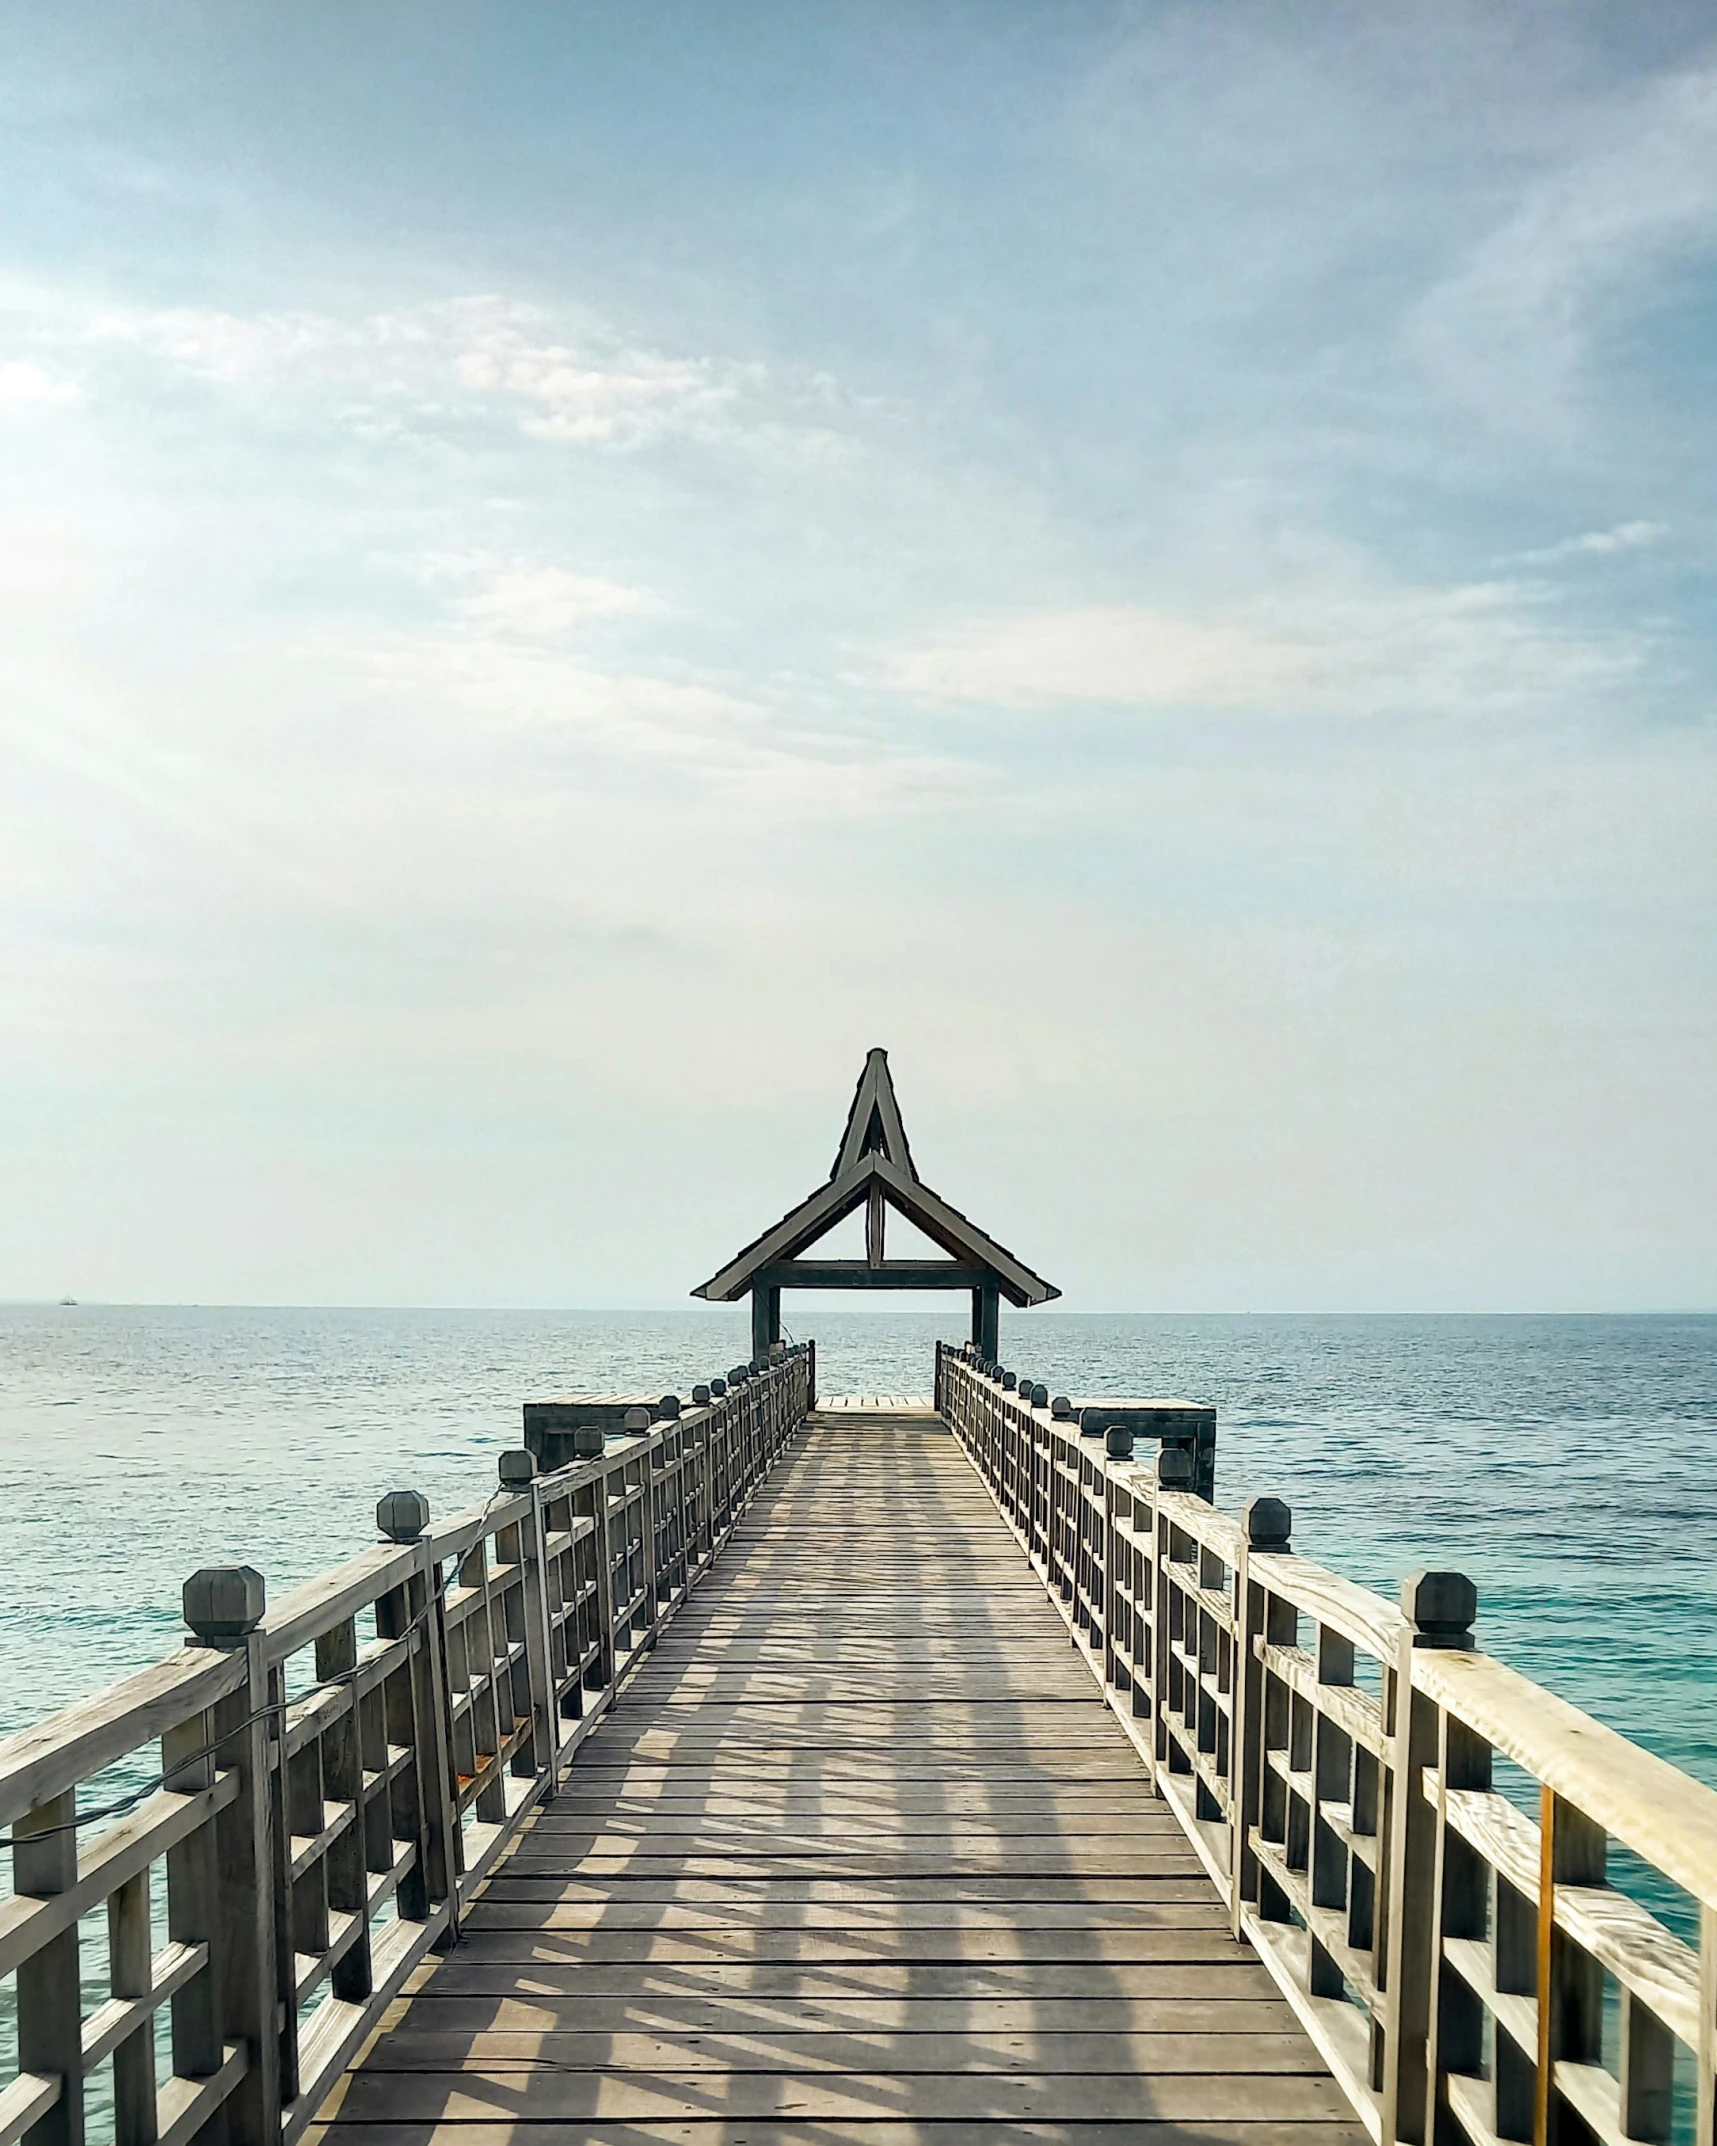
column 1566, row 1464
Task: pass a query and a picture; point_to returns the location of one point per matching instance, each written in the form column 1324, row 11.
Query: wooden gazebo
column 874, row 1170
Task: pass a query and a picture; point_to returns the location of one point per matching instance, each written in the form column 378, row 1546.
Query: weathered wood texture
column 859, row 1856
column 337, row 1776
column 1330, row 1759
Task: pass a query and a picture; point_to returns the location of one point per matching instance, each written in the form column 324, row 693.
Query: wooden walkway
column 860, row 1856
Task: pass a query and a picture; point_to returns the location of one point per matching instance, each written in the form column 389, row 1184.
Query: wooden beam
column 860, row 1274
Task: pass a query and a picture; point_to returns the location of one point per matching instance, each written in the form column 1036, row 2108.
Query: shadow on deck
column 860, row 1855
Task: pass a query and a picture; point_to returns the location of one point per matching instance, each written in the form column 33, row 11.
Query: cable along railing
column 338, row 1772
column 1467, row 1969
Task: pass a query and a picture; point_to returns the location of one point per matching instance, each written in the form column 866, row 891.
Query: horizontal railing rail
column 336, row 1774
column 1468, row 1969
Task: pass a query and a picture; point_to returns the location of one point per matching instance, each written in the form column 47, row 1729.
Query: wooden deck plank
column 562, row 1833
column 484, row 1939
column 539, row 2094
column 861, row 1857
column 879, row 2131
column 759, row 2048
column 1194, row 1913
column 969, row 1982
column 803, row 2013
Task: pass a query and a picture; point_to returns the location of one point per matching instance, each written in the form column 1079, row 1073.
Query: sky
column 565, row 570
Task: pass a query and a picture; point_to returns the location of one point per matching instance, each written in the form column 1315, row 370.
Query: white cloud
column 591, row 394
column 1124, row 654
column 711, row 741
column 543, row 603
column 1597, row 543
column 590, row 387
column 24, row 386
column 238, row 349
column 1481, row 648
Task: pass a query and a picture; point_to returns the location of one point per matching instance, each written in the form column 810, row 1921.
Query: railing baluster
column 541, row 1754
column 1439, row 1609
column 1259, row 1619
column 50, row 2002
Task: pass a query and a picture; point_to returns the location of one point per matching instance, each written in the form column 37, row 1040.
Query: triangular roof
column 875, row 1159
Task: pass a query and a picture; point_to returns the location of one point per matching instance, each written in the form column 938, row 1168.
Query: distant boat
column 68, row 1300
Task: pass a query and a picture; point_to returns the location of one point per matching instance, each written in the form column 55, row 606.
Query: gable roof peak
column 875, row 1164
column 873, row 1123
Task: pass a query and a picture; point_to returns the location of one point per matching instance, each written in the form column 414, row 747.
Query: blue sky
column 563, row 571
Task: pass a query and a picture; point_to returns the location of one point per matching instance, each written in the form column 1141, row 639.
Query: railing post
column 223, row 1606
column 401, row 1517
column 608, row 1656
column 638, row 1425
column 50, row 2004
column 1259, row 1619
column 1174, row 1472
column 1439, row 1608
column 1572, row 1851
column 518, row 1472
column 670, row 1569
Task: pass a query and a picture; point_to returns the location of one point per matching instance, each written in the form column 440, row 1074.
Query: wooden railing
column 336, row 1773
column 1467, row 1969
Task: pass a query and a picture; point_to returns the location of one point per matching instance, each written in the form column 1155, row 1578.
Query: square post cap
column 1093, row 1422
column 1061, row 1408
column 1440, row 1606
column 1009, row 1382
column 589, row 1442
column 717, row 1388
column 402, row 1515
column 637, row 1419
column 700, row 1396
column 1269, row 1522
column 224, row 1603
column 1174, row 1468
column 668, row 1407
column 1040, row 1397
column 1118, row 1442
column 517, row 1468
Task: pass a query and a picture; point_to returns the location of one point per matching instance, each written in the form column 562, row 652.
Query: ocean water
column 1565, row 1463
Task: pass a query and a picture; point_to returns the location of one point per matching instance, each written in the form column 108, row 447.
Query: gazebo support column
column 987, row 1321
column 765, row 1320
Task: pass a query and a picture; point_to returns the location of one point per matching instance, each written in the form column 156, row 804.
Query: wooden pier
column 755, row 1769
column 860, row 1856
